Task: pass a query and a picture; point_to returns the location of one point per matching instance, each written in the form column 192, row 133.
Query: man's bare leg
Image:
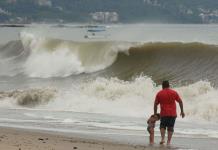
column 162, row 131
column 170, row 134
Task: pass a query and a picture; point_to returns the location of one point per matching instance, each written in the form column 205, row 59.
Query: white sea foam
column 109, row 96
column 68, row 120
column 134, row 98
column 29, row 97
column 200, row 100
column 117, row 97
column 67, row 57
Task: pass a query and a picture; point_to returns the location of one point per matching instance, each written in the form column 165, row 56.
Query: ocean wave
column 112, row 96
column 29, row 97
column 136, row 97
column 182, row 63
column 68, row 57
column 42, row 57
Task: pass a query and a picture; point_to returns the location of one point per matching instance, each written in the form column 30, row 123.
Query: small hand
column 182, row 114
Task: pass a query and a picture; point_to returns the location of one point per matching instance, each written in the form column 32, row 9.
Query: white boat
column 96, row 32
column 94, row 29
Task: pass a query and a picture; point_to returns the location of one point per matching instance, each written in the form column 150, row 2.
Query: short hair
column 156, row 115
column 165, row 84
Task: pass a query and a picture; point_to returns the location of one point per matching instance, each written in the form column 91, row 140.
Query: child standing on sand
column 151, row 125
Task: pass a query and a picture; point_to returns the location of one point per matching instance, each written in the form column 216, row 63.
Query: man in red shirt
column 167, row 99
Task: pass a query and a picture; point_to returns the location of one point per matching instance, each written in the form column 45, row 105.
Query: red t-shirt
column 167, row 99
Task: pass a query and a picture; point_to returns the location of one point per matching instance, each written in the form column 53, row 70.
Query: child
column 151, row 125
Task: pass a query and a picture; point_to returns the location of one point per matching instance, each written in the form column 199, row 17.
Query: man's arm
column 155, row 107
column 179, row 100
column 156, row 102
column 181, row 108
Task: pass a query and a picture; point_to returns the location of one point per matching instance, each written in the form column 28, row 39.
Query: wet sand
column 22, row 139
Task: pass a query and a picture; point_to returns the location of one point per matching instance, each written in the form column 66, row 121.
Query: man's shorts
column 167, row 122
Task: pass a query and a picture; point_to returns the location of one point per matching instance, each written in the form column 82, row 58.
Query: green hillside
column 166, row 11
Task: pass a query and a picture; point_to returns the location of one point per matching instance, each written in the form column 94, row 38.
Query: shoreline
column 27, row 139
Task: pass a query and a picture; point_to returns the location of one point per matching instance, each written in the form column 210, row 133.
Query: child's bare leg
column 162, row 131
column 151, row 138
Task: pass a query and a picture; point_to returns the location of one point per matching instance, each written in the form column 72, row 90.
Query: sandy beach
column 20, row 139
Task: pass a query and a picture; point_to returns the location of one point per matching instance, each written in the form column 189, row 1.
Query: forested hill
column 129, row 11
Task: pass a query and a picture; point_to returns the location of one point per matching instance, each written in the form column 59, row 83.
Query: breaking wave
column 67, row 57
column 28, row 98
column 135, row 98
column 113, row 96
column 36, row 56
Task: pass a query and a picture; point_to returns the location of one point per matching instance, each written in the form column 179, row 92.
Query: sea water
column 54, row 79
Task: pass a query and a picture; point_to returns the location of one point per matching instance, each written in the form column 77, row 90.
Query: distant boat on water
column 96, row 32
column 94, row 29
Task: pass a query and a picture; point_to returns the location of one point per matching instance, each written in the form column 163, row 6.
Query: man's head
column 165, row 84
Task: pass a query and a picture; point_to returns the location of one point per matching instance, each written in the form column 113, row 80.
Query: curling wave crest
column 67, row 57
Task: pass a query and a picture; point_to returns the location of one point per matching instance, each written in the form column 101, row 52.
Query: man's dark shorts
column 167, row 122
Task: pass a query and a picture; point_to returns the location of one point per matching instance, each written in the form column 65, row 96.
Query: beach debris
column 40, row 139
column 74, row 147
column 43, row 140
column 2, row 137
